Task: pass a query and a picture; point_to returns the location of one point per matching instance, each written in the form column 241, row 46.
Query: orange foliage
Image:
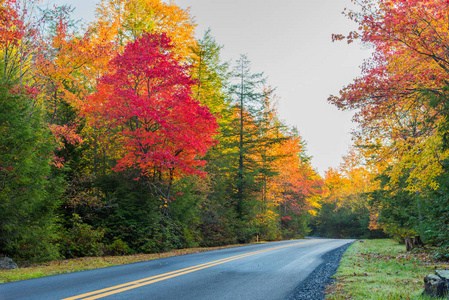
column 297, row 185
column 121, row 21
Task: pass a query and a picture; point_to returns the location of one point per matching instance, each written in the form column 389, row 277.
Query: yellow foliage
column 346, row 185
column 121, row 21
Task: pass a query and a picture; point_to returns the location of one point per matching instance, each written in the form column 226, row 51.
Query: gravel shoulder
column 314, row 286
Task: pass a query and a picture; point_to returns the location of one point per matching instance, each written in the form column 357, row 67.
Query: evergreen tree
column 28, row 190
column 215, row 211
column 248, row 93
column 211, row 74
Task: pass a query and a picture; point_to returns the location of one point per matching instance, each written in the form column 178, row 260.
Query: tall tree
column 29, row 191
column 211, row 75
column 147, row 105
column 398, row 124
column 248, row 93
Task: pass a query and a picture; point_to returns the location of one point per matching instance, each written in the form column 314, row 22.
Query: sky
column 290, row 42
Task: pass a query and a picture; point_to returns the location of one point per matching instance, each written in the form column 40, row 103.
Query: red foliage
column 146, row 103
column 411, row 42
column 11, row 29
column 67, row 133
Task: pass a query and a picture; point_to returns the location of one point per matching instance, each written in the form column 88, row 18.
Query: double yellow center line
column 146, row 281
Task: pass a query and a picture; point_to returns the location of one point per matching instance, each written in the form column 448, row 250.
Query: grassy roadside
column 88, row 263
column 381, row 269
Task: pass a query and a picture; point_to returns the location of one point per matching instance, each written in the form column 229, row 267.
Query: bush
column 81, row 240
column 118, row 247
column 166, row 235
column 245, row 232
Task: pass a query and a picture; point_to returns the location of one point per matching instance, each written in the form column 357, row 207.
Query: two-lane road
column 261, row 271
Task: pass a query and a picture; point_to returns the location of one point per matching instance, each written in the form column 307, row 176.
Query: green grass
column 381, row 269
column 88, row 263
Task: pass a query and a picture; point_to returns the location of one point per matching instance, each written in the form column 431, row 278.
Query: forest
column 129, row 135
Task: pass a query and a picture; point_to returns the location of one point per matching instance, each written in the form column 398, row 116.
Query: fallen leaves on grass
column 381, row 269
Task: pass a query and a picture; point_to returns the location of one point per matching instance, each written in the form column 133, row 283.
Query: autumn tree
column 398, row 123
column 18, row 38
column 409, row 38
column 147, row 106
column 116, row 24
column 346, row 206
column 10, row 26
column 291, row 192
column 122, row 21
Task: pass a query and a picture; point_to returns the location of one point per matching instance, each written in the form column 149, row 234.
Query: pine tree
column 248, row 94
column 28, row 190
column 211, row 74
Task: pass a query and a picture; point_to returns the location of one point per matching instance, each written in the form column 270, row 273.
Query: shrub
column 81, row 240
column 118, row 247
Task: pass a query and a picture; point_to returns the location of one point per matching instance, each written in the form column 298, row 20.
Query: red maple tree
column 11, row 28
column 410, row 39
column 145, row 102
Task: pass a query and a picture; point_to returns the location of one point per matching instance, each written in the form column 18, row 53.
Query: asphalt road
column 261, row 271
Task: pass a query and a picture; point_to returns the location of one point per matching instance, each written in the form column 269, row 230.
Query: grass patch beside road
column 88, row 263
column 381, row 269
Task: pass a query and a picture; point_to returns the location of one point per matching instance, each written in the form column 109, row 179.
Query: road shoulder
column 314, row 286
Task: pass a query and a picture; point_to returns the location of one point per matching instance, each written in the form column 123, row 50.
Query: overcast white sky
column 290, row 41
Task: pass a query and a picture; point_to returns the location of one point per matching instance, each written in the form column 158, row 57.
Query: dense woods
column 129, row 135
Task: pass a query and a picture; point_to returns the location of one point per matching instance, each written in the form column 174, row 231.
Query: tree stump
column 412, row 242
column 408, row 244
column 417, row 242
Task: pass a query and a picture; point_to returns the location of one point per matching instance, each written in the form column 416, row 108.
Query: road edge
column 314, row 286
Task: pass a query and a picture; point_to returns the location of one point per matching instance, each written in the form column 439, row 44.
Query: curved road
column 261, row 271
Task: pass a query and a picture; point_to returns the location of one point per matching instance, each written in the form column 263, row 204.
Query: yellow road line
column 146, row 281
column 149, row 278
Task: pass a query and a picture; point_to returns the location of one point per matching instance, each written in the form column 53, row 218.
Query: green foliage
column 81, row 240
column 129, row 210
column 134, row 213
column 343, row 222
column 216, row 223
column 435, row 226
column 164, row 236
column 29, row 190
column 339, row 222
column 295, row 226
column 399, row 215
column 118, row 247
column 270, row 230
column 245, row 231
column 248, row 95
column 211, row 74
